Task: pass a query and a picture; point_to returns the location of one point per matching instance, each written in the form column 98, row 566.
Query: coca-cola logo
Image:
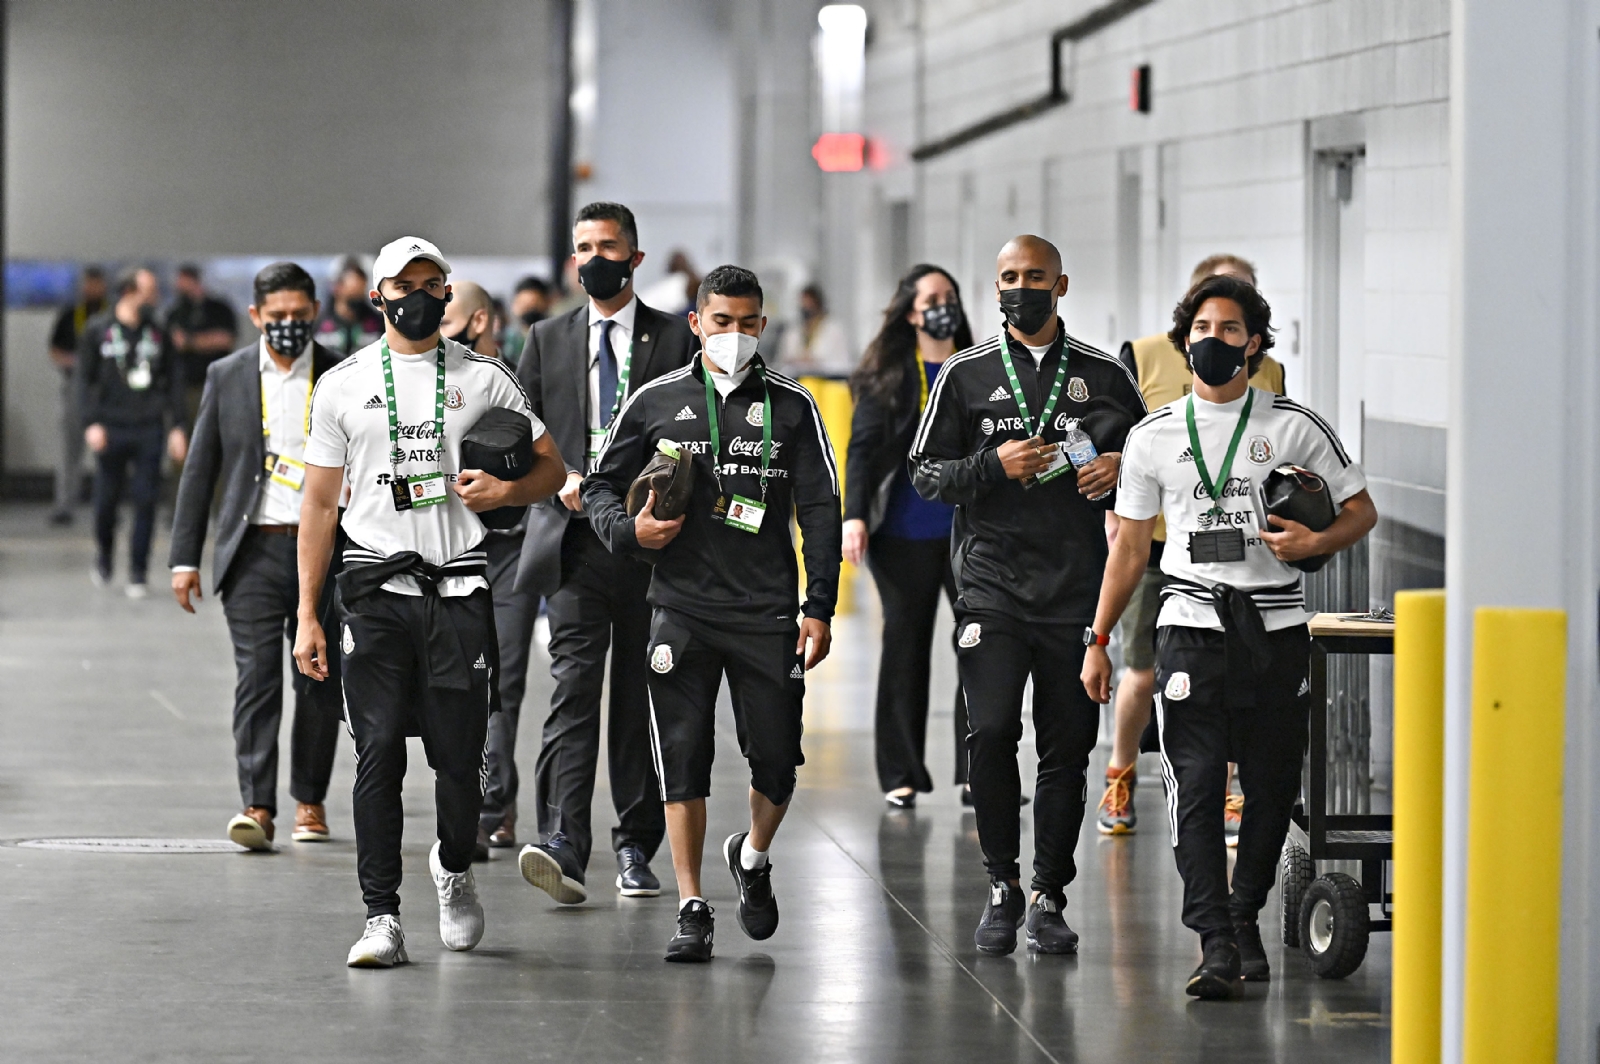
column 751, row 448
column 1235, row 488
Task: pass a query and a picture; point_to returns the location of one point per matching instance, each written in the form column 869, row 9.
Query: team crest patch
column 1177, row 687
column 986, row 426
column 348, row 643
column 1260, row 450
column 971, row 635
column 453, row 399
column 661, row 658
column 1077, row 391
column 754, row 415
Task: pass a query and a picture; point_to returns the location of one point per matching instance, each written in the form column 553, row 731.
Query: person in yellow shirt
column 1163, row 375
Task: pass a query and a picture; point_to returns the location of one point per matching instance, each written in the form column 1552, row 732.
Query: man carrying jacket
column 723, row 587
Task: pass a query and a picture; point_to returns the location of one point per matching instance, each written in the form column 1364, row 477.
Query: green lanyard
column 1215, row 489
column 1022, row 401
column 396, row 455
column 716, row 429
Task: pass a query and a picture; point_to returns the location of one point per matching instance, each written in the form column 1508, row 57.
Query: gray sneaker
column 460, row 914
column 382, row 945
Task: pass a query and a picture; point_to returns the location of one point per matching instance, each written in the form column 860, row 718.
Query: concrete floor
column 114, row 721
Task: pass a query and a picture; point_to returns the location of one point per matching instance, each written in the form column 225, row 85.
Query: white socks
column 684, row 904
column 751, row 858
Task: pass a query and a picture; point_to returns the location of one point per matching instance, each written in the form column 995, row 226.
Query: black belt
column 1246, row 651
column 446, row 662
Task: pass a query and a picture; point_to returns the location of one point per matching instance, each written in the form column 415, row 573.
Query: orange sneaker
column 310, row 823
column 1116, row 805
column 252, row 829
column 1232, row 816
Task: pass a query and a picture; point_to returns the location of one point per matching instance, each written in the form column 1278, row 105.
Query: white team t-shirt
column 350, row 428
column 1159, row 477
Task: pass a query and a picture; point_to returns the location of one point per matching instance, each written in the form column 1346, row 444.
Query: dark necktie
column 608, row 375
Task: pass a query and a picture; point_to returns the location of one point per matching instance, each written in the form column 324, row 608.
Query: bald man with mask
column 1029, row 550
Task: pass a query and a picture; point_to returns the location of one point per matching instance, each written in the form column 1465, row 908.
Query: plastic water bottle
column 1080, row 450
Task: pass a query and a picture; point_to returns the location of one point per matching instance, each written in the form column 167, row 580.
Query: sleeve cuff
column 818, row 613
column 186, row 568
column 990, row 468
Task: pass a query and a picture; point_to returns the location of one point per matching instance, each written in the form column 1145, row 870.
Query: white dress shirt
column 621, row 347
column 286, row 396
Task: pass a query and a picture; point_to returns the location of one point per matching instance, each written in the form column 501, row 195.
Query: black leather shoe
column 901, row 801
column 634, row 878
column 504, row 837
column 553, row 868
column 758, row 909
column 1046, row 925
column 1253, row 966
column 1217, row 978
column 692, row 943
column 997, row 931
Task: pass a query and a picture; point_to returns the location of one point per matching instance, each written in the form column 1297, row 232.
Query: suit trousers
column 909, row 574
column 260, row 597
column 600, row 604
column 384, row 641
column 142, row 447
column 514, row 614
column 996, row 656
column 1200, row 734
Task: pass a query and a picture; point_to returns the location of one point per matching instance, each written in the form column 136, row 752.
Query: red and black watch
column 1092, row 639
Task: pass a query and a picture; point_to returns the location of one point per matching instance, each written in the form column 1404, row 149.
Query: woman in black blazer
column 904, row 538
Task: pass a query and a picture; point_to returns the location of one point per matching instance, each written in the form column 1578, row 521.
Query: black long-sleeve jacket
column 1035, row 554
column 880, row 439
column 712, row 571
column 109, row 355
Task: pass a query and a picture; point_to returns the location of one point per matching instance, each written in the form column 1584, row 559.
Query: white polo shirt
column 1159, row 476
column 350, row 428
column 285, row 398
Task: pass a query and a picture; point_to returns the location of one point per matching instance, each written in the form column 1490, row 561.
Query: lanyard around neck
column 922, row 383
column 395, row 454
column 716, row 429
column 266, row 430
column 624, row 367
column 1016, row 387
column 1214, row 489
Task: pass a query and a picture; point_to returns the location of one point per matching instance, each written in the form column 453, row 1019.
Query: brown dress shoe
column 504, row 837
column 252, row 829
column 310, row 823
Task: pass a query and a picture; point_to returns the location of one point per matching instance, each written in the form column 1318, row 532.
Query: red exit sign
column 838, row 153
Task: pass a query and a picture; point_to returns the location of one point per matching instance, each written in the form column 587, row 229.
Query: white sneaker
column 460, row 914
column 382, row 945
column 137, row 591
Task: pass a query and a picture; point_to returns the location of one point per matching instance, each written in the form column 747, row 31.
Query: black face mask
column 464, row 338
column 1215, row 361
column 530, row 318
column 416, row 315
column 1028, row 310
column 603, row 278
column 941, row 320
column 288, row 338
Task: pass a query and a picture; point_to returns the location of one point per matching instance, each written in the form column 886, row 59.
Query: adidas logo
column 797, row 673
column 375, row 403
column 998, row 395
column 1187, row 455
column 685, row 415
column 480, row 663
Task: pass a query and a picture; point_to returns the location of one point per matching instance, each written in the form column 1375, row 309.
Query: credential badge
column 661, row 658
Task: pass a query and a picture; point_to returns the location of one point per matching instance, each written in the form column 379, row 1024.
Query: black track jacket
column 711, row 571
column 1031, row 555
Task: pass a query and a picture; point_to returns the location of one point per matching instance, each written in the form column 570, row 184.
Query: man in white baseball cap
column 417, row 639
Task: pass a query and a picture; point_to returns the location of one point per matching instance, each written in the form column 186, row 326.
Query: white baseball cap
column 397, row 254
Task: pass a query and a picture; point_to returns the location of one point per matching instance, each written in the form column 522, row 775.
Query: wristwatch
column 1091, row 639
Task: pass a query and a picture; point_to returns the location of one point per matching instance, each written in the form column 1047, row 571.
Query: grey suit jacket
column 554, row 371
column 227, row 446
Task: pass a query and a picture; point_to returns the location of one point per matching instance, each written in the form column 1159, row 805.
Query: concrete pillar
column 1523, row 389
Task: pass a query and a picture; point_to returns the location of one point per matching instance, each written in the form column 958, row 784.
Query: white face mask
column 730, row 352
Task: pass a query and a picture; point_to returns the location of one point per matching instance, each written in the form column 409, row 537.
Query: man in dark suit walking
column 251, row 436
column 578, row 369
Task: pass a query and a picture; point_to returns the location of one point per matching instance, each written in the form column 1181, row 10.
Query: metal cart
column 1330, row 916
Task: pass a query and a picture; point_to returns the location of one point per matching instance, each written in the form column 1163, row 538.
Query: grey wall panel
column 176, row 127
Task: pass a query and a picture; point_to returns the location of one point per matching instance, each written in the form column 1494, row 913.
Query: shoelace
column 455, row 887
column 631, row 855
column 1118, row 795
column 383, row 925
column 691, row 918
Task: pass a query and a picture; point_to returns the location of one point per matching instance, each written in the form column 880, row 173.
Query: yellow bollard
column 1418, row 825
column 834, row 402
column 1519, row 660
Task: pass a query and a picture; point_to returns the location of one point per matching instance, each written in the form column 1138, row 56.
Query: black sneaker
column 692, row 943
column 997, row 931
column 634, row 878
column 1217, row 978
column 758, row 909
column 1253, row 966
column 1046, row 925
column 553, row 868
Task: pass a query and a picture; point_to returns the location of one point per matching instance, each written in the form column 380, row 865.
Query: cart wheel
column 1334, row 925
column 1298, row 872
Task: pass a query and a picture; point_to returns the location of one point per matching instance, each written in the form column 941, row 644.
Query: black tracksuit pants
column 260, row 598
column 909, row 574
column 141, row 447
column 514, row 614
column 995, row 659
column 384, row 643
column 1200, row 734
column 600, row 604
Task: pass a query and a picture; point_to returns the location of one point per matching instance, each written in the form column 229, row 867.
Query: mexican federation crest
column 1077, row 391
column 971, row 635
column 661, row 658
